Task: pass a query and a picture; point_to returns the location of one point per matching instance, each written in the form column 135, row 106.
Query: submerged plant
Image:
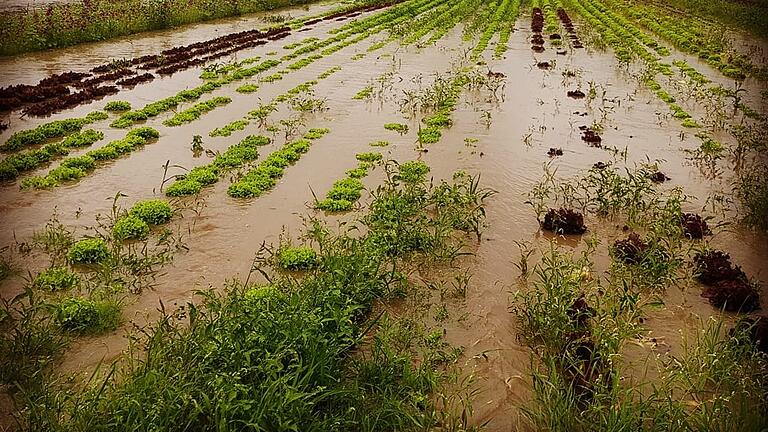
column 297, row 258
column 87, row 316
column 130, row 227
column 400, row 128
column 56, row 279
column 88, row 251
column 117, row 106
column 153, row 212
column 564, row 221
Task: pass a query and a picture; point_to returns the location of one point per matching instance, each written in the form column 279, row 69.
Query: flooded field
column 514, row 96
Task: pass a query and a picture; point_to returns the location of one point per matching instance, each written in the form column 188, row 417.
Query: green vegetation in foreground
column 81, row 292
column 294, row 353
column 62, row 25
column 80, row 315
column 88, row 251
column 579, row 320
column 297, row 258
column 56, row 279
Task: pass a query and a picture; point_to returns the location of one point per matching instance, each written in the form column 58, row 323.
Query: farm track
column 505, row 101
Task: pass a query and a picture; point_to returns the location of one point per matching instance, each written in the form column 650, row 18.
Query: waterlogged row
column 156, row 108
column 500, row 16
column 48, row 131
column 264, row 110
column 621, row 37
column 345, row 192
column 264, row 176
column 15, row 164
column 193, row 113
column 234, row 157
column 75, row 168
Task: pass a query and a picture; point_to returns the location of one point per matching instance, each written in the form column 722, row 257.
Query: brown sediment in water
column 224, row 238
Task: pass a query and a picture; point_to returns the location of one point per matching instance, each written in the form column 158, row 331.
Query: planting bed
column 406, row 215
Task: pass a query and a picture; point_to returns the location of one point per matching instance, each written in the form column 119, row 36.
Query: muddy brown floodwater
column 530, row 114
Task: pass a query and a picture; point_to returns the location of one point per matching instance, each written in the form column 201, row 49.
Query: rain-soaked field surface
column 507, row 92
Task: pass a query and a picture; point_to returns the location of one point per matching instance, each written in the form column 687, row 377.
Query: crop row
column 551, row 24
column 234, row 157
column 345, row 192
column 441, row 118
column 264, row 176
column 693, row 37
column 459, row 14
column 75, row 168
column 197, row 110
column 51, row 94
column 568, row 25
column 49, row 131
column 620, row 37
column 263, row 111
column 438, row 16
column 13, row 165
column 537, row 27
column 155, row 108
column 300, row 43
column 506, row 27
column 492, row 27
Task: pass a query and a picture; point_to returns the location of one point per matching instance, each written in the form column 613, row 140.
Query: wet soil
column 529, row 115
